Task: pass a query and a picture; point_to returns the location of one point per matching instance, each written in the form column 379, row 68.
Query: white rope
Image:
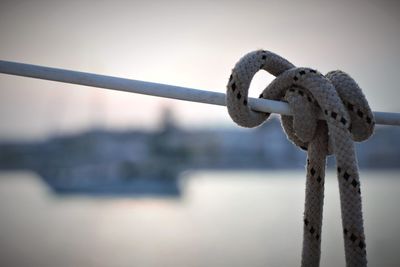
column 156, row 89
column 348, row 117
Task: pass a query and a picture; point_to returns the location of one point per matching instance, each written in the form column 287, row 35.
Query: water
column 222, row 219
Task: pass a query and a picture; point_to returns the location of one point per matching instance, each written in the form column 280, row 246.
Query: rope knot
column 329, row 112
column 310, row 95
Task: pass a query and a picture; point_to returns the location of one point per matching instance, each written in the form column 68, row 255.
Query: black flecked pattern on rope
column 347, row 118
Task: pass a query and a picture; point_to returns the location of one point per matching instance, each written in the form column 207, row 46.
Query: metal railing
column 156, row 89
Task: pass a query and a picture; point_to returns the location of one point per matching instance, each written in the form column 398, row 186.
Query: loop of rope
column 347, row 116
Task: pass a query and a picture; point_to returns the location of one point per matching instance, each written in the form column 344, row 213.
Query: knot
column 310, row 95
column 337, row 99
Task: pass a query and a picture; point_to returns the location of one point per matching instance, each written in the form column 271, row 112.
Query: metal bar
column 155, row 89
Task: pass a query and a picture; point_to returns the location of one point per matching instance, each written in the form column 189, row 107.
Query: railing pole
column 155, row 89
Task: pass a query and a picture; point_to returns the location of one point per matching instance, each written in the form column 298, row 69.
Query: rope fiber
column 348, row 118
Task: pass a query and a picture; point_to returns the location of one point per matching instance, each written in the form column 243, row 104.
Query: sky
column 187, row 43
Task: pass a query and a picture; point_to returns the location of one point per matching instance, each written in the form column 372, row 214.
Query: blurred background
column 91, row 177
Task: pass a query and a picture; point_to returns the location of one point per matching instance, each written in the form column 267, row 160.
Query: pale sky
column 186, row 43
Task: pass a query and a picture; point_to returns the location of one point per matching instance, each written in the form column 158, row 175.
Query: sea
column 221, row 218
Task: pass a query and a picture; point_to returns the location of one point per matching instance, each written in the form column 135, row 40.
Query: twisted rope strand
column 348, row 117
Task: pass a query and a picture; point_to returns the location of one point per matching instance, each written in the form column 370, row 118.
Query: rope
column 347, row 118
